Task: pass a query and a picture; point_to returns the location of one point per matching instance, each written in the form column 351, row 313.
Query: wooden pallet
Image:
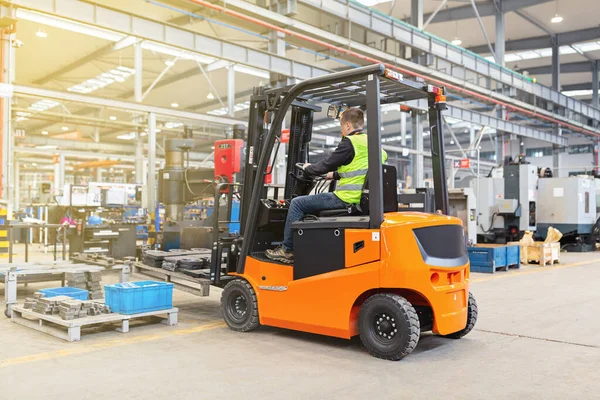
column 55, row 326
column 540, row 253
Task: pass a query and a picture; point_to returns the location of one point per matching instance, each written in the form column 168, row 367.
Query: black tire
column 8, row 312
column 239, row 306
column 388, row 325
column 471, row 319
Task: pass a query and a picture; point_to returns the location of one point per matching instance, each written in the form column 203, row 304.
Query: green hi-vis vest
column 352, row 176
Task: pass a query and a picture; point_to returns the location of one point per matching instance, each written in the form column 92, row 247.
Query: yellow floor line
column 531, row 271
column 83, row 348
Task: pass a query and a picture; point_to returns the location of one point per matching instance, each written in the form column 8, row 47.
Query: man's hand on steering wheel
column 329, row 176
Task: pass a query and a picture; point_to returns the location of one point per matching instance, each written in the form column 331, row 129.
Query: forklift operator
column 348, row 164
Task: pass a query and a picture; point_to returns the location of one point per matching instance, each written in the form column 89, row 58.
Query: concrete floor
column 538, row 337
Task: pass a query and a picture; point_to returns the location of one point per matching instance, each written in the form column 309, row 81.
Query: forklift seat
column 390, row 201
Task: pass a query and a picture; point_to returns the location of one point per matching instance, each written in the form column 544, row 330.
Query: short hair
column 355, row 116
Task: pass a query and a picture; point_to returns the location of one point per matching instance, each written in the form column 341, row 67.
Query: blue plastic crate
column 139, row 297
column 513, row 256
column 487, row 259
column 78, row 294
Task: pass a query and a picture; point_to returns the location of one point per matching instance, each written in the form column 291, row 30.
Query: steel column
column 416, row 13
column 231, row 90
column 375, row 174
column 556, row 160
column 7, row 133
column 139, row 159
column 500, row 33
column 555, row 63
column 403, row 128
column 138, row 84
column 595, row 86
column 17, row 181
column 151, row 183
column 417, row 144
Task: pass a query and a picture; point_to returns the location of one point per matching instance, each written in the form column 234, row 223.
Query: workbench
column 33, row 273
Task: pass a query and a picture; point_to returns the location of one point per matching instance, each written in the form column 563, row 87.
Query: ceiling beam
column 545, row 41
column 568, row 68
column 485, row 10
column 577, row 86
column 123, row 105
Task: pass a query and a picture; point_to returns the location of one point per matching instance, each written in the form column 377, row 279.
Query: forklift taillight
column 435, row 90
column 390, row 74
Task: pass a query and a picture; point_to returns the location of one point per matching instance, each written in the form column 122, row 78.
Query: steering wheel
column 300, row 175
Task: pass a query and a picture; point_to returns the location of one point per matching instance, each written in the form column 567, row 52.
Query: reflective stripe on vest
column 352, row 176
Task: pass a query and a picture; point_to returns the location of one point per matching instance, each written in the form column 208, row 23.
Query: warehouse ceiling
column 60, row 59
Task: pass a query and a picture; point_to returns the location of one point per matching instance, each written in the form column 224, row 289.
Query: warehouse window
column 539, row 152
column 581, row 149
column 488, row 155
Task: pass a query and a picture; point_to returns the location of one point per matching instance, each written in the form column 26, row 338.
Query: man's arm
column 342, row 155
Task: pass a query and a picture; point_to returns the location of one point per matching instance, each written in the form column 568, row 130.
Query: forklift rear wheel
column 239, row 306
column 388, row 326
column 471, row 319
column 8, row 312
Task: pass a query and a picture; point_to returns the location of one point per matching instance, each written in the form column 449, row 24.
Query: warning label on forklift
column 375, row 236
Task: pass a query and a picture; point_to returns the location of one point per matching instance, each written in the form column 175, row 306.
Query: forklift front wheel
column 471, row 319
column 388, row 326
column 239, row 306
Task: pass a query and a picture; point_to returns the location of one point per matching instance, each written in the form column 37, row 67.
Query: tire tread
column 254, row 321
column 411, row 316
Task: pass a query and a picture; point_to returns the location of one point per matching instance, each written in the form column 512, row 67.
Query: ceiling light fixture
column 64, row 128
column 456, row 41
column 112, row 118
column 41, row 33
column 44, row 132
column 174, row 105
column 557, row 17
column 210, row 96
column 169, row 63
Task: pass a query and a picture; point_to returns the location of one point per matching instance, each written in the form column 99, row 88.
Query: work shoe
column 280, row 254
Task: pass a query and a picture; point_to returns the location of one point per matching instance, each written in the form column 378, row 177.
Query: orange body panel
column 328, row 304
column 361, row 246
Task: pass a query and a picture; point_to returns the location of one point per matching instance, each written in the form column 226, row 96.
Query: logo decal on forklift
column 375, row 237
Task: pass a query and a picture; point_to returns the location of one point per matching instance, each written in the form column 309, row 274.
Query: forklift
column 365, row 270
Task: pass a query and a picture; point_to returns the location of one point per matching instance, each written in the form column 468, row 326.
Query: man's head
column 351, row 120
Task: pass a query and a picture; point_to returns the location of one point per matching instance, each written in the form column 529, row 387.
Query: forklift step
column 260, row 255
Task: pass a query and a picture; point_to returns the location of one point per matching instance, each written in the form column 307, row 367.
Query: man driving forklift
column 348, row 164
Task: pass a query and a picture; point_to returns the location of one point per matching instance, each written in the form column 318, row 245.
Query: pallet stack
column 94, row 285
column 65, row 307
column 49, row 305
column 71, row 309
column 76, row 280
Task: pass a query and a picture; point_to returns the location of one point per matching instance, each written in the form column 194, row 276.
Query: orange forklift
column 365, row 270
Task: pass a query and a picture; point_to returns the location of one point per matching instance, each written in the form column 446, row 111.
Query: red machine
column 228, row 159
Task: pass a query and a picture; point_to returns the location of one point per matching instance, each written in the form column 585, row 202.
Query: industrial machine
column 569, row 205
column 462, row 201
column 508, row 205
column 379, row 274
column 179, row 185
